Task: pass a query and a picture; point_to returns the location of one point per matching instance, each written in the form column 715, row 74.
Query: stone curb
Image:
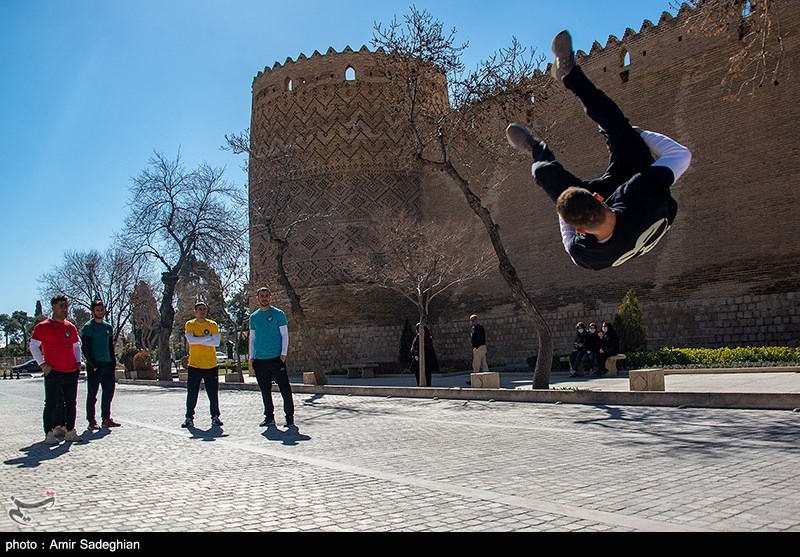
column 746, row 401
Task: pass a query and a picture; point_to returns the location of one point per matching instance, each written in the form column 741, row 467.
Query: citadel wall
column 727, row 273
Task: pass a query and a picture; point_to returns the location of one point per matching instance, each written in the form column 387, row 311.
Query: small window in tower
column 289, row 84
column 350, row 74
column 626, row 60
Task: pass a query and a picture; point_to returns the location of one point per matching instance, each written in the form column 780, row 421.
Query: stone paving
column 377, row 464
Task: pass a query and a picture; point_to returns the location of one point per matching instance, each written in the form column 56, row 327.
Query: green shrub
column 629, row 323
column 126, row 358
column 143, row 361
column 713, row 357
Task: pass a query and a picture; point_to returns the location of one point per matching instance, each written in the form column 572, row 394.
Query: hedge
column 713, row 357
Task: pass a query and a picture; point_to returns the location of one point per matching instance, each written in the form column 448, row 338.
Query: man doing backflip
column 624, row 213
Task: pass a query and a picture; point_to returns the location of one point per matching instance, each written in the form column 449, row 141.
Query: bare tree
column 144, row 315
column 233, row 271
column 408, row 259
column 174, row 214
column 276, row 214
column 760, row 57
column 86, row 275
column 420, row 57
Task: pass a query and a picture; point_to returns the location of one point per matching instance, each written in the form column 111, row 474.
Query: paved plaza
column 392, row 464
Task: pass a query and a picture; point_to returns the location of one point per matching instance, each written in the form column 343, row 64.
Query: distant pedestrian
column 578, row 349
column 269, row 345
column 478, row 339
column 202, row 334
column 609, row 346
column 593, row 344
column 56, row 347
column 97, row 341
column 431, row 362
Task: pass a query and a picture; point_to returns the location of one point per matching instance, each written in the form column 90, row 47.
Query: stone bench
column 485, row 380
column 646, row 380
column 363, row 371
column 611, row 363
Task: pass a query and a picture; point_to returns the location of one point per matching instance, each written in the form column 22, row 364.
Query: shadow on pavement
column 290, row 436
column 39, row 452
column 312, row 400
column 210, row 434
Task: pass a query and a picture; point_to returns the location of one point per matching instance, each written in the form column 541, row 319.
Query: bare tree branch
column 423, row 61
column 760, row 57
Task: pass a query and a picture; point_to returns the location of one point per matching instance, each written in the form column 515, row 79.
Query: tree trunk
column 167, row 320
column 544, row 358
column 421, row 350
column 309, row 349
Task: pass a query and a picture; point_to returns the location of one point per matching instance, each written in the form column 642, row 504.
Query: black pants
column 102, row 375
column 602, row 357
column 576, row 358
column 60, row 399
column 266, row 371
column 629, row 154
column 431, row 366
column 210, row 377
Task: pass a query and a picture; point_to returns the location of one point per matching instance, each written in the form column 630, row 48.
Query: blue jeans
column 575, row 358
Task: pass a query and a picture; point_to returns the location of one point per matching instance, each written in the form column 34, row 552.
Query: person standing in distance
column 97, row 341
column 203, row 337
column 478, row 337
column 56, row 347
column 269, row 345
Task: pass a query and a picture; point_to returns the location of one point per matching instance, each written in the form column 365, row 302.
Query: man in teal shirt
column 97, row 342
column 269, row 344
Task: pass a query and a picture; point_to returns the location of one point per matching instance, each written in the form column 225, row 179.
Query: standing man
column 56, row 347
column 269, row 344
column 202, row 335
column 97, row 340
column 478, row 336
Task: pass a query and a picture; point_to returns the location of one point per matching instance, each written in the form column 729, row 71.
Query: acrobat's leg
column 546, row 170
column 628, row 152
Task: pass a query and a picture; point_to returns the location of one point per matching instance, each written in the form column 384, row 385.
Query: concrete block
column 485, row 380
column 235, row 377
column 646, row 380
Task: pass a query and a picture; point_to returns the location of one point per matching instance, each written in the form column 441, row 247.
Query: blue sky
column 90, row 88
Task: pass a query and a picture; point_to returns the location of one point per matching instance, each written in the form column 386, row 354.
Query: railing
column 6, row 363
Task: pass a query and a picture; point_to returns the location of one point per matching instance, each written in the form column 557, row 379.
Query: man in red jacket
column 56, row 346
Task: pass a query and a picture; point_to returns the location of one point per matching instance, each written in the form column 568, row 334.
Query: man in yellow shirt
column 203, row 337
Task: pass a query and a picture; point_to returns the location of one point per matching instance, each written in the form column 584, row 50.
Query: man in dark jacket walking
column 478, row 338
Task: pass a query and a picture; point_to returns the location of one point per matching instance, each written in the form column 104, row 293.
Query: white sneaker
column 73, row 437
column 51, row 438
